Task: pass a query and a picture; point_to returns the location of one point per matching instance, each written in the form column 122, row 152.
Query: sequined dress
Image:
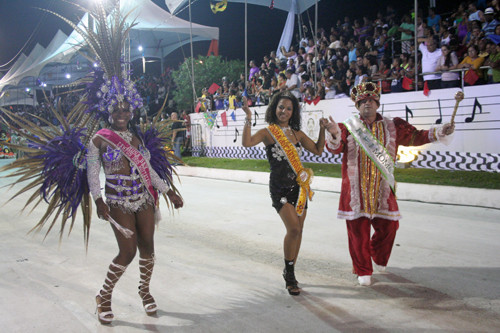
column 283, row 186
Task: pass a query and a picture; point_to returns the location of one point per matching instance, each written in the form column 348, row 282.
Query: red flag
column 316, row 100
column 197, row 108
column 406, row 83
column 213, row 88
column 427, row 91
column 223, row 117
column 214, row 48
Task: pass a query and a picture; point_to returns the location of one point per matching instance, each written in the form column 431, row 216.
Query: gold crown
column 365, row 90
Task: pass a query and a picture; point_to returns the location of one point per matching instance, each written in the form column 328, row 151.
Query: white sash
column 373, row 148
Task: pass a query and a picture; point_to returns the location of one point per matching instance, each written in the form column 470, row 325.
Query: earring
column 110, row 119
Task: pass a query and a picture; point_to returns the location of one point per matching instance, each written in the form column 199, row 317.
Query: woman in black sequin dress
column 284, row 111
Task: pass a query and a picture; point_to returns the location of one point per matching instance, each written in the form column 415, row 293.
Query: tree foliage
column 207, row 70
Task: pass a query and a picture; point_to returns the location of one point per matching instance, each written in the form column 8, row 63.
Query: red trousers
column 363, row 249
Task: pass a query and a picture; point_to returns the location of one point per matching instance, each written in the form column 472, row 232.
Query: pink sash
column 133, row 155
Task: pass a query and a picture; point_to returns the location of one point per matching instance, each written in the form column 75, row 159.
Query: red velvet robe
column 364, row 191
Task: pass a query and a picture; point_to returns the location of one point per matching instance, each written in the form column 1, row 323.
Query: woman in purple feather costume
column 131, row 201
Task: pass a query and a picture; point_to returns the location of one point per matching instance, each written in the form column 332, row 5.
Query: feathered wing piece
column 54, row 165
column 50, row 166
column 156, row 137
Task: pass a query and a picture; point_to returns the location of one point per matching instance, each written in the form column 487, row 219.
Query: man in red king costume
column 369, row 142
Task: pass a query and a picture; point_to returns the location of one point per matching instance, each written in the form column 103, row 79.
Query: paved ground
column 219, row 263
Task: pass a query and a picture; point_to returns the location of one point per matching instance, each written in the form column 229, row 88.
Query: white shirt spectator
column 476, row 16
column 430, row 61
column 335, row 45
column 294, row 81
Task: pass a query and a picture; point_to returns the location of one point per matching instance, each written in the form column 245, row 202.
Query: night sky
column 19, row 19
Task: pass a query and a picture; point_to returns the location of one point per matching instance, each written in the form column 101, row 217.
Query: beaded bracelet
column 248, row 122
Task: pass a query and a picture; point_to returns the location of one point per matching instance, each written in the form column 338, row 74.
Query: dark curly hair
column 294, row 121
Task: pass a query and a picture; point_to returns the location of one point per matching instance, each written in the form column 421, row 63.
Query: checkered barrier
column 259, row 153
column 426, row 159
column 457, row 161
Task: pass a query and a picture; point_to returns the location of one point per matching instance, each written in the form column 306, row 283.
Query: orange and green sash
column 304, row 175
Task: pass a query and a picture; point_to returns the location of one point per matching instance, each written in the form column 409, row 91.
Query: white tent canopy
column 16, row 97
column 157, row 31
column 302, row 5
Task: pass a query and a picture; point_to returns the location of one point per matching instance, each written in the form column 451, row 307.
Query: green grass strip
column 476, row 179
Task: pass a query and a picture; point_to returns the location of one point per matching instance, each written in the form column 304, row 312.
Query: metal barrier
column 197, row 140
column 461, row 70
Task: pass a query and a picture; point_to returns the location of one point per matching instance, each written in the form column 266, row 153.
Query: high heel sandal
column 105, row 317
column 104, row 295
column 146, row 268
column 291, row 283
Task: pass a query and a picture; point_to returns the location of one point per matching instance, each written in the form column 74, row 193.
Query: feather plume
column 53, row 166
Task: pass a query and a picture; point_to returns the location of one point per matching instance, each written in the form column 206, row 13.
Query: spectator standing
column 472, row 62
column 490, row 22
column 494, row 62
column 474, row 13
column 310, row 46
column 447, row 62
column 382, row 75
column 434, row 20
column 305, row 83
column 352, row 51
column 407, row 30
column 430, row 57
column 253, row 70
column 187, row 123
column 292, row 83
column 460, row 22
column 178, row 135
column 361, row 75
column 396, row 74
column 281, row 81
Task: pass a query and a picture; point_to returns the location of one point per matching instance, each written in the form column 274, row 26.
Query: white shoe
column 365, row 280
column 379, row 268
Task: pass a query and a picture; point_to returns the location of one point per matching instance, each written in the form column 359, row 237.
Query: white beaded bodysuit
column 124, row 191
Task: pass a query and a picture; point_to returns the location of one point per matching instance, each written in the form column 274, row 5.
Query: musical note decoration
column 476, row 105
column 236, row 133
column 440, row 119
column 408, row 111
column 255, row 115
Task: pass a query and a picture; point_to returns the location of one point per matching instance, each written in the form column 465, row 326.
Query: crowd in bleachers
column 152, row 88
column 456, row 48
column 462, row 46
